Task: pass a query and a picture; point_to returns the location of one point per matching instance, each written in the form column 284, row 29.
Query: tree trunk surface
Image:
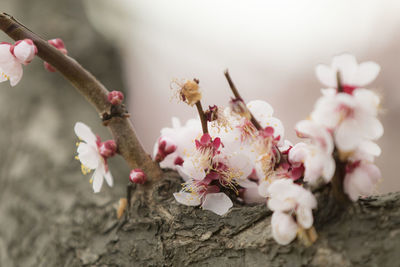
column 157, row 231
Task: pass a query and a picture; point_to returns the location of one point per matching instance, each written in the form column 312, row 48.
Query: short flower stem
column 202, row 117
column 337, row 181
column 237, row 95
column 339, row 82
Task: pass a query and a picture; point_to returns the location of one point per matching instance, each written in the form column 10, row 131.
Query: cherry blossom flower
column 197, row 193
column 315, row 156
column 360, row 180
column 91, row 156
column 180, row 136
column 262, row 111
column 200, row 162
column 289, row 200
column 351, row 117
column 12, row 57
column 352, row 74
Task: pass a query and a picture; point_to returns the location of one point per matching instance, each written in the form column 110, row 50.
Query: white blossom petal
column 85, row 133
column 347, row 135
column 261, row 110
column 284, row 228
column 88, row 156
column 347, row 65
column 109, row 178
column 326, row 75
column 97, row 180
column 367, row 72
column 188, row 199
column 361, row 181
column 304, row 217
column 219, row 203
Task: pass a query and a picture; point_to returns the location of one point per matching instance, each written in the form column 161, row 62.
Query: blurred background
column 270, row 47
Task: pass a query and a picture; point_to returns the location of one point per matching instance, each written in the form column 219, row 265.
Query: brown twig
column 202, row 117
column 237, row 96
column 95, row 93
column 339, row 82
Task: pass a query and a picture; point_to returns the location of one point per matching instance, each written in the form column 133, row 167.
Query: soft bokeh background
column 270, row 47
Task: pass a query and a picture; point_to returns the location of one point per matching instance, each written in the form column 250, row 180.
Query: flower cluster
column 250, row 161
column 222, row 163
column 239, row 153
column 348, row 113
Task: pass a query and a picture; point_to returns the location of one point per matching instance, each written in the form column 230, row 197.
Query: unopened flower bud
column 190, row 92
column 108, row 148
column 24, row 50
column 166, row 146
column 239, row 107
column 115, row 97
column 137, row 176
column 49, row 67
column 212, row 113
column 59, row 44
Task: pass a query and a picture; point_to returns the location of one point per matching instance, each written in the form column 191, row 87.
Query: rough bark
column 159, row 232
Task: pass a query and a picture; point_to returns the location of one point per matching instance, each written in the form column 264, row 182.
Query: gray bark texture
column 50, row 217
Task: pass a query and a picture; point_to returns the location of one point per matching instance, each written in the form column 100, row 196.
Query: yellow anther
column 85, row 170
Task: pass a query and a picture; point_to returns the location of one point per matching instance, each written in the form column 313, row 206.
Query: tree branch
column 95, row 93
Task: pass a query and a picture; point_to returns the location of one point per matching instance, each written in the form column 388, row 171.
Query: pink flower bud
column 166, row 146
column 137, row 176
column 24, row 51
column 108, row 148
column 49, row 67
column 59, row 44
column 115, row 97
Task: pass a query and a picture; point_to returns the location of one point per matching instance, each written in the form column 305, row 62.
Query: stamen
column 85, row 170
